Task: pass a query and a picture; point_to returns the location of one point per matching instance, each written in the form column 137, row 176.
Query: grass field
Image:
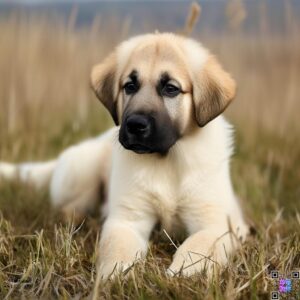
column 46, row 105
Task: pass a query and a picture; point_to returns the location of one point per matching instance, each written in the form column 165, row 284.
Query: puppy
column 166, row 161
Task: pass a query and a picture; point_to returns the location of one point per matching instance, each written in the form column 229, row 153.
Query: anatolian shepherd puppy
column 166, row 161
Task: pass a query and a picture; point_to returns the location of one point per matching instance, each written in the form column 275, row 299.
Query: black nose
column 138, row 125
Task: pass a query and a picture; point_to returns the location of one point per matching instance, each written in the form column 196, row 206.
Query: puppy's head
column 159, row 87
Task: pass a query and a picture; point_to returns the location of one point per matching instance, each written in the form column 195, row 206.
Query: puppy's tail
column 36, row 174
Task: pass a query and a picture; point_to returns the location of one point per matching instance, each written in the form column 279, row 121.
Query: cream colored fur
column 190, row 186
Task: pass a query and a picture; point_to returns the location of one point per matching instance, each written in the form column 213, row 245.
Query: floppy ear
column 213, row 90
column 103, row 82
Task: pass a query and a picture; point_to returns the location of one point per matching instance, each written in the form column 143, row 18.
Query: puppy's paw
column 191, row 263
column 110, row 271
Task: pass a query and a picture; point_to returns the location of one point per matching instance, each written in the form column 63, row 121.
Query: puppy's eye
column 170, row 90
column 130, row 88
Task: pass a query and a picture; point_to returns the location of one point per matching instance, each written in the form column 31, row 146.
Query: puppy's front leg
column 123, row 241
column 208, row 246
column 201, row 251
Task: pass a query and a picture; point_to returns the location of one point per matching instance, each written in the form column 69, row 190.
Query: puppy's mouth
column 138, row 148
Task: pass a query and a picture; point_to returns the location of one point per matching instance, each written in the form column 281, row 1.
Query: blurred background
column 47, row 49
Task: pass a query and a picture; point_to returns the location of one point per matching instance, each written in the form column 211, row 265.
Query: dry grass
column 46, row 105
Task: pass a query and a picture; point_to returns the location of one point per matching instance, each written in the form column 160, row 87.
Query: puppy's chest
column 160, row 186
column 165, row 193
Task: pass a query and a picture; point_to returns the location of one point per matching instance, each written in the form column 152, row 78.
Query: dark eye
column 170, row 90
column 130, row 88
